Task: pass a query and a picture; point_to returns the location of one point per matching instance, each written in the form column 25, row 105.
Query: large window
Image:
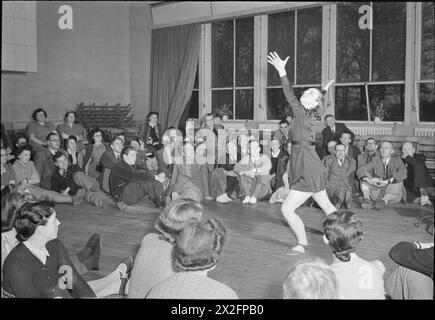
column 426, row 84
column 233, row 66
column 297, row 34
column 370, row 62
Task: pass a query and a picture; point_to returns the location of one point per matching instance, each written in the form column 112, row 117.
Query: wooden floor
column 253, row 263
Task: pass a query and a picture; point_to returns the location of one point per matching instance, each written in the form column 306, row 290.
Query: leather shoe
column 90, row 255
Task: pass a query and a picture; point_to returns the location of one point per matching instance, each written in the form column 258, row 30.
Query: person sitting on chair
column 333, row 131
column 283, row 133
column 253, row 171
column 419, row 183
column 7, row 171
column 382, row 178
column 340, row 170
column 331, row 149
column 351, row 150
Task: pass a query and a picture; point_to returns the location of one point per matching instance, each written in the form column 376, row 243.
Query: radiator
column 268, row 126
column 424, row 132
column 368, row 131
column 20, row 125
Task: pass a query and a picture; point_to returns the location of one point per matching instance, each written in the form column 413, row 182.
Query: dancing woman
column 307, row 171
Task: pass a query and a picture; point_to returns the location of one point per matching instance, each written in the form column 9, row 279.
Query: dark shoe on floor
column 367, row 204
column 90, row 255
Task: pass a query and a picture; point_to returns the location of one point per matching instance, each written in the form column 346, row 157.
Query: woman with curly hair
column 153, row 263
column 197, row 251
column 358, row 278
column 71, row 127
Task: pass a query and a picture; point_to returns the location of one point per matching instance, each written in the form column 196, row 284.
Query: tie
column 385, row 171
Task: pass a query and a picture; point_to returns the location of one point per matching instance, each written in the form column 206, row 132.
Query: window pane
column 427, row 102
column 427, row 41
column 281, row 38
column 193, row 105
column 222, row 54
column 349, row 102
column 245, row 52
column 353, row 44
column 309, row 46
column 389, row 41
column 245, row 104
column 221, row 97
column 393, row 96
column 276, row 102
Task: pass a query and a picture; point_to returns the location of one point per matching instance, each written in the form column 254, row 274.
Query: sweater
column 27, row 171
column 409, row 256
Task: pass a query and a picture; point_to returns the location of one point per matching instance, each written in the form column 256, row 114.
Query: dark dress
column 306, row 169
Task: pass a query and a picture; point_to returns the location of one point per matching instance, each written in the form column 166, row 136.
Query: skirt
column 307, row 172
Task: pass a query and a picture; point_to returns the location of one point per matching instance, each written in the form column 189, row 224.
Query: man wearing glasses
column 44, row 160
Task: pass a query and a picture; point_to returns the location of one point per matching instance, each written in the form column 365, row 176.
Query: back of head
column 199, row 246
column 11, row 202
column 30, row 216
column 343, row 231
column 311, row 279
column 177, row 215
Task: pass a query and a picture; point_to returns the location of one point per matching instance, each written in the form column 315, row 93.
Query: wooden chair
column 427, row 147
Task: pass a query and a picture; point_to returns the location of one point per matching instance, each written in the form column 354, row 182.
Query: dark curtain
column 175, row 53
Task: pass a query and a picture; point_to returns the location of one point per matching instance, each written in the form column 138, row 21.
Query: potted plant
column 285, row 111
column 225, row 111
column 379, row 110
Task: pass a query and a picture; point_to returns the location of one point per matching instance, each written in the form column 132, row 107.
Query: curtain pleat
column 174, row 59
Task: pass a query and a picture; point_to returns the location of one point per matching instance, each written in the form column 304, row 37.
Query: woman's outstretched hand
column 279, row 64
column 328, row 85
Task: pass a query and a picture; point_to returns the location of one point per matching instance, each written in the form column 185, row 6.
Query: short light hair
column 311, row 279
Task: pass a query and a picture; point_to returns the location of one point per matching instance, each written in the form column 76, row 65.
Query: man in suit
column 130, row 185
column 108, row 160
column 283, row 133
column 279, row 159
column 44, row 160
column 370, row 151
column 351, row 150
column 382, row 178
column 333, row 131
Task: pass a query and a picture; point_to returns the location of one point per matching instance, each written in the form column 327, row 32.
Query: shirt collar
column 275, row 154
column 40, row 254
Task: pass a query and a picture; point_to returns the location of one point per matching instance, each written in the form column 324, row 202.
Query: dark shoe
column 340, row 201
column 78, row 197
column 349, row 200
column 90, row 255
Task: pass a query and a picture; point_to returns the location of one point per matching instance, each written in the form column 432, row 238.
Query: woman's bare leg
column 323, row 201
column 293, row 201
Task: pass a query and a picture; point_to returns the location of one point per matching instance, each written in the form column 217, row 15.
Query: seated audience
column 311, row 280
column 331, row 148
column 21, row 141
column 357, row 278
column 70, row 180
column 413, row 277
column 39, row 129
column 351, row 150
column 370, row 151
column 283, row 133
column 340, row 170
column 7, row 171
column 27, row 179
column 141, row 153
column 419, row 183
column 382, row 178
column 217, row 121
column 165, row 156
column 108, row 160
column 130, row 185
column 89, row 158
column 224, row 181
column 197, row 251
column 44, row 162
column 281, row 193
column 70, row 127
column 36, row 228
column 71, row 149
column 153, row 262
column 151, row 132
column 253, row 171
column 333, row 131
column 279, row 159
column 190, row 178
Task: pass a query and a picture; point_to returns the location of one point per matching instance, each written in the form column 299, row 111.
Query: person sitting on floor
column 44, row 161
column 69, row 179
column 331, row 149
column 279, row 160
column 130, row 185
column 27, row 178
column 413, row 277
column 54, row 275
column 351, row 150
column 89, row 158
column 340, row 170
column 224, row 181
column 165, row 156
column 370, row 151
column 71, row 149
column 281, row 193
column 283, row 133
column 382, row 178
column 7, row 171
column 419, row 183
column 357, row 278
column 154, row 262
column 190, row 179
column 253, row 171
column 197, row 251
column 108, row 160
column 311, row 279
